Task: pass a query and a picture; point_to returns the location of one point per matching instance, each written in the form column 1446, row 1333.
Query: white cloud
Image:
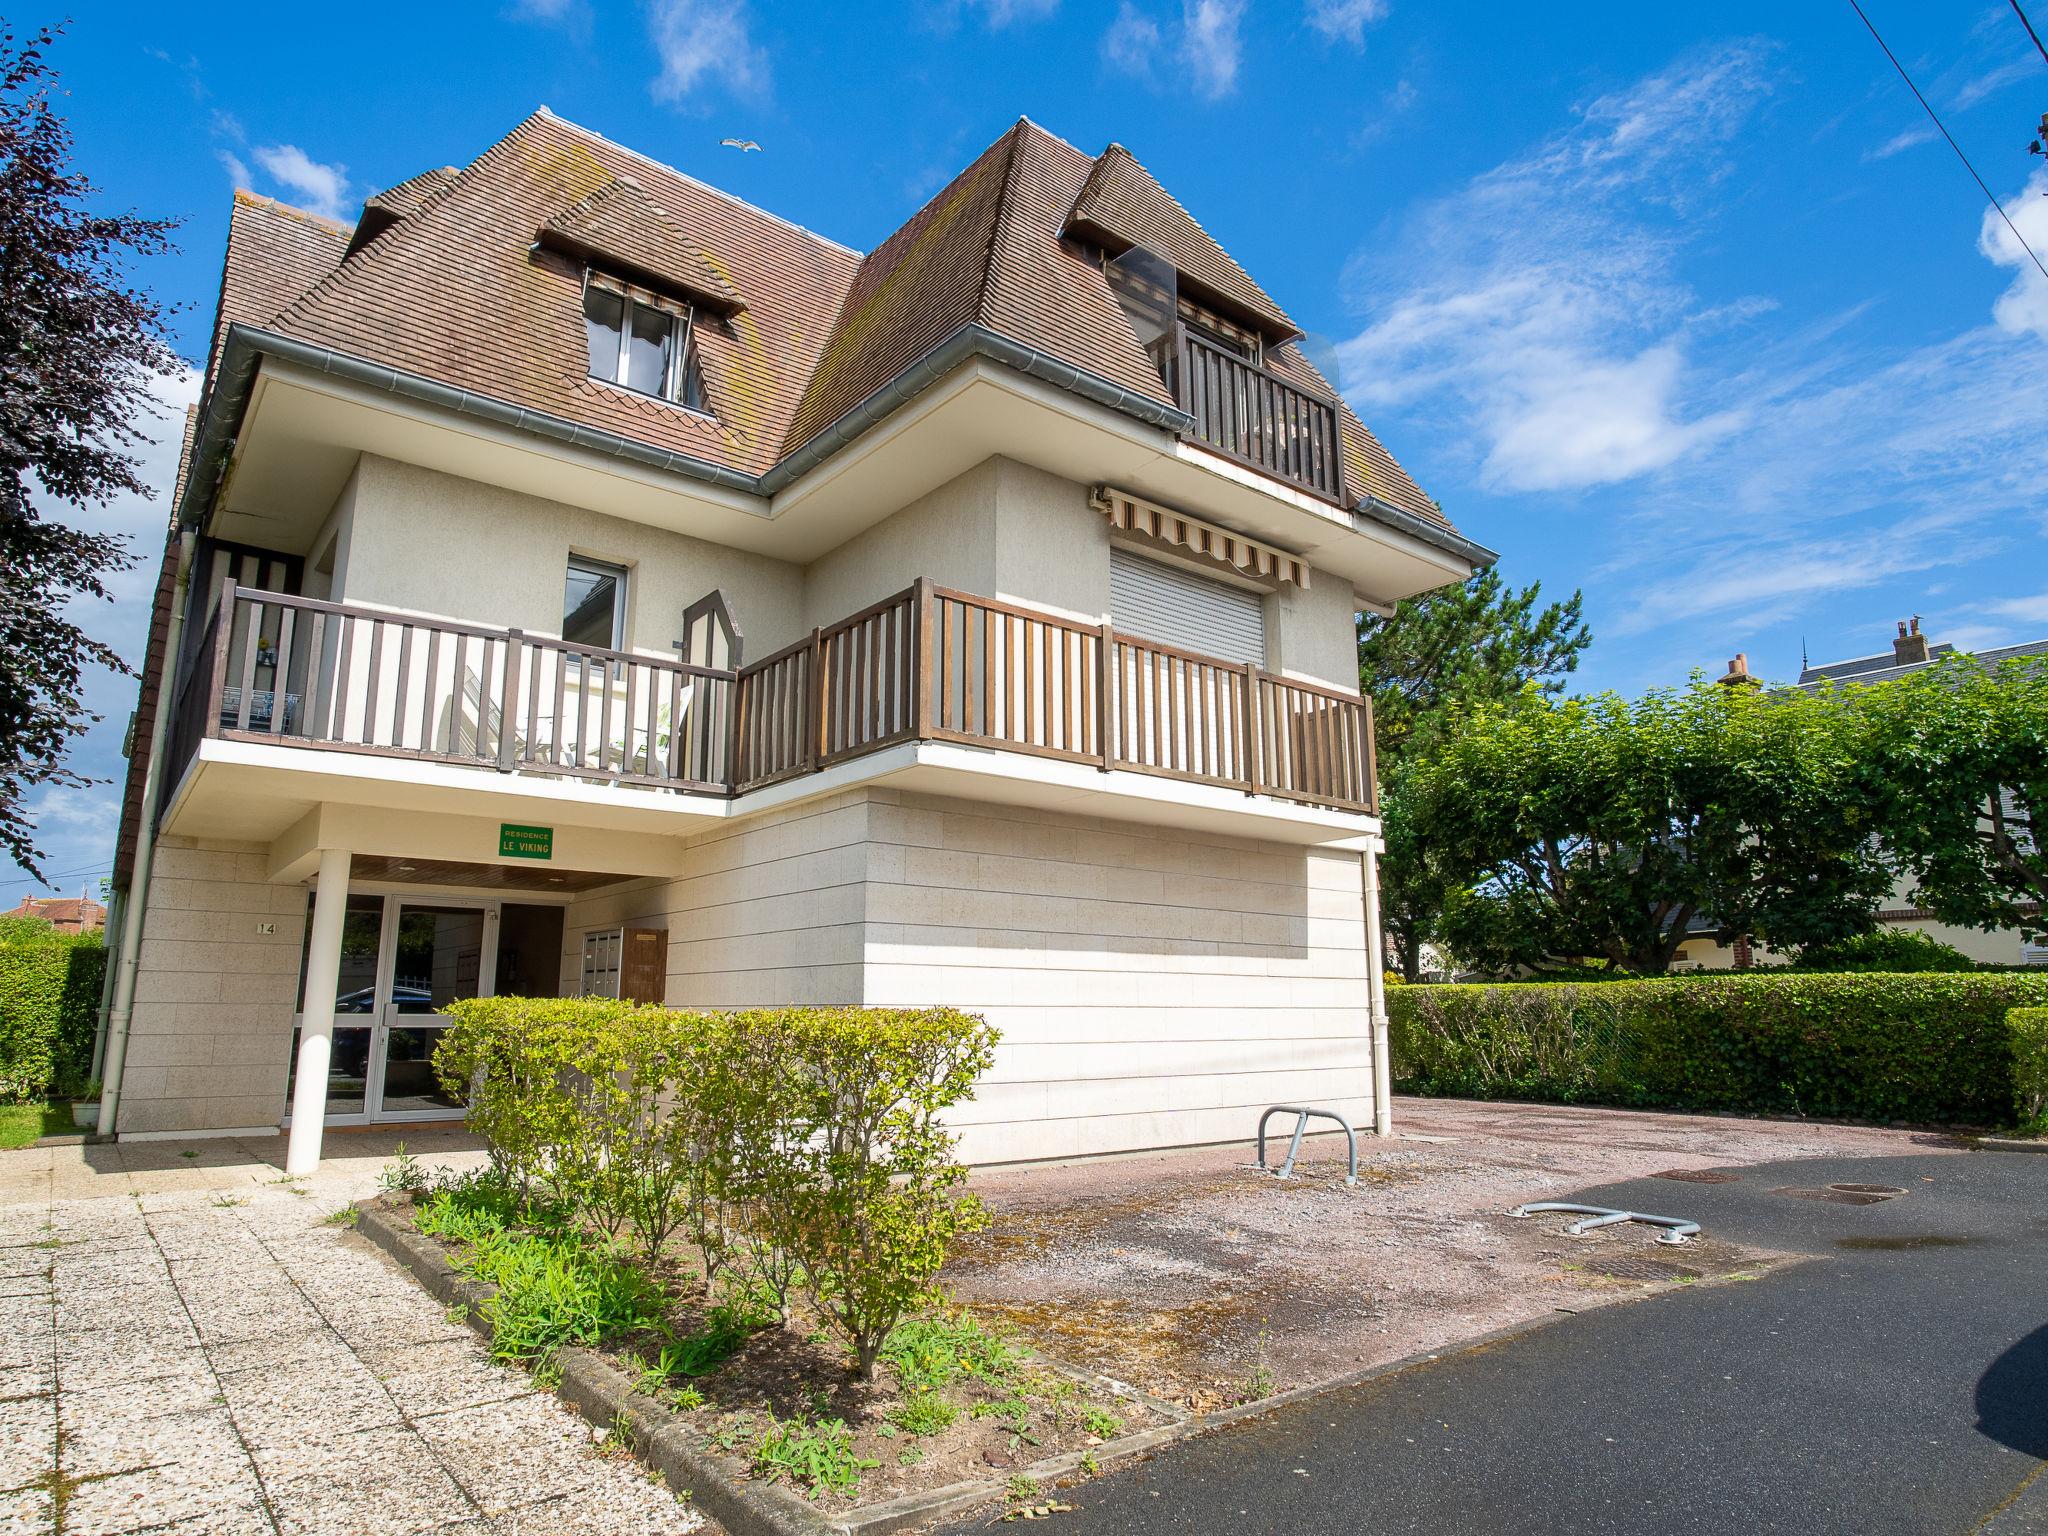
column 236, row 167
column 1346, row 20
column 1738, row 473
column 1132, row 42
column 998, row 14
column 321, row 189
column 1993, row 81
column 1210, row 44
column 1540, row 296
column 705, row 41
column 1206, row 42
column 1905, row 139
column 2023, row 307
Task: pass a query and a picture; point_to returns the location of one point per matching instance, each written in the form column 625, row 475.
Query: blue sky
column 1684, row 305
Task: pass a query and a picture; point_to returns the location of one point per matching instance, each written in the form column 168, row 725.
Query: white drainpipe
column 1376, row 994
column 123, row 1007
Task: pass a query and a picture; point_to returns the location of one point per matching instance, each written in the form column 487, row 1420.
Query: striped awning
column 1134, row 514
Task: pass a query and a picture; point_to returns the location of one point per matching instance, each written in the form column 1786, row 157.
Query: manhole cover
column 1882, row 1191
column 1697, row 1176
column 1833, row 1196
column 1642, row 1269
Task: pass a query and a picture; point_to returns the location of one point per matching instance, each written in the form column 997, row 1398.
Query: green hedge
column 1930, row 1048
column 49, row 1009
column 791, row 1146
column 2029, row 1027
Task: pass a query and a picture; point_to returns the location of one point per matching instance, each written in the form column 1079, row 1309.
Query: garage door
column 1170, row 606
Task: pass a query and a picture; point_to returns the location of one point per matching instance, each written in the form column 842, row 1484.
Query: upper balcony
column 1251, row 415
column 926, row 666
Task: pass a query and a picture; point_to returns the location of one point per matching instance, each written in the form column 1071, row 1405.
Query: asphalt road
column 1895, row 1382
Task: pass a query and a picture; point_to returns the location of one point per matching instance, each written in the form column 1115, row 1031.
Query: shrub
column 805, row 1141
column 1885, row 1047
column 1895, row 950
column 49, row 1009
column 2029, row 1031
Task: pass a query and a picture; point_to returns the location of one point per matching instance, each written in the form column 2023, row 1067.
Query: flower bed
column 955, row 1399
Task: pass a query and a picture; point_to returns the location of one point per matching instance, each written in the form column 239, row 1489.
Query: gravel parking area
column 1198, row 1278
column 187, row 1346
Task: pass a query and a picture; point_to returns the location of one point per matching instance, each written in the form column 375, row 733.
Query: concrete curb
column 719, row 1484
column 2011, row 1144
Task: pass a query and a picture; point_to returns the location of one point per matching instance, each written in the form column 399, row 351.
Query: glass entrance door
column 437, row 951
column 404, row 959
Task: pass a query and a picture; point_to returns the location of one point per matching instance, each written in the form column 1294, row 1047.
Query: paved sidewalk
column 187, row 1347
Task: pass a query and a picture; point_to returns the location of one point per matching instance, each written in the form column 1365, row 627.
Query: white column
column 316, row 1021
column 1376, row 995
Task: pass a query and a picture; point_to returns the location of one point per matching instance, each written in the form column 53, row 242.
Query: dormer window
column 641, row 341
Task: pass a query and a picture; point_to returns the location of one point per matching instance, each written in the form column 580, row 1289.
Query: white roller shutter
column 1169, row 606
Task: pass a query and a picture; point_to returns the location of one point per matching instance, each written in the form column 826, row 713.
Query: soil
column 1196, row 1277
column 800, row 1371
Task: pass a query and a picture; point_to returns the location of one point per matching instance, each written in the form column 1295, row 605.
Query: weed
column 189, row 1155
column 1021, row 1488
column 1014, row 1413
column 229, row 1202
column 923, row 1413
column 1101, row 1423
column 403, row 1175
column 558, row 1290
column 727, row 1434
column 932, row 1352
column 347, row 1216
column 683, row 1399
column 1090, row 1467
column 817, row 1454
column 910, row 1456
column 1259, row 1382
column 459, row 1313
column 618, row 1435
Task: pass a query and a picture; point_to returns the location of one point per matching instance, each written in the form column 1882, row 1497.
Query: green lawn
column 21, row 1124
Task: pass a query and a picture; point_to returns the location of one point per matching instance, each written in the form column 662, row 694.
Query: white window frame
column 682, row 328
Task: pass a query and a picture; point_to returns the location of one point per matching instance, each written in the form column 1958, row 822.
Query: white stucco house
column 583, row 581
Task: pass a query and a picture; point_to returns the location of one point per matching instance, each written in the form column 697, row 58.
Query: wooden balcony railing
column 1251, row 415
column 926, row 664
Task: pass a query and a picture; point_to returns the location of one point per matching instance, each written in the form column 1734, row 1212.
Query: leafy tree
column 1440, row 654
column 1893, row 951
column 1596, row 830
column 78, row 348
column 1963, row 751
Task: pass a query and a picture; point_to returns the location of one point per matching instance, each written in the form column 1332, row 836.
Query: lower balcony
column 927, row 665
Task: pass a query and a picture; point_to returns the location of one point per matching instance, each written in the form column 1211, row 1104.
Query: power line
column 62, row 874
column 1989, row 196
column 2030, row 27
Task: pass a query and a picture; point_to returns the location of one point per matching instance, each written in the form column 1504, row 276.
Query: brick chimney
column 1911, row 645
column 1737, row 675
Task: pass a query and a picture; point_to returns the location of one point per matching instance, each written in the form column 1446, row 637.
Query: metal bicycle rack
column 1303, row 1114
column 1676, row 1231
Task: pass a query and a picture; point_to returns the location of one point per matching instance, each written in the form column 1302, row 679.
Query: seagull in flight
column 742, row 145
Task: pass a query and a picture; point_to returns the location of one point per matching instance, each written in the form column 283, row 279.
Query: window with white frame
column 641, row 341
column 594, row 604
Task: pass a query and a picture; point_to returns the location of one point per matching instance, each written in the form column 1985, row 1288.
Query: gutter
column 247, row 346
column 1433, row 534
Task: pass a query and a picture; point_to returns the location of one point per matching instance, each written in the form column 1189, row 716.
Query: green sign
column 525, row 842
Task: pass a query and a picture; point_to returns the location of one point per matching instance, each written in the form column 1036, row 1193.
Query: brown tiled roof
column 406, row 199
column 456, row 292
column 78, row 910
column 986, row 251
column 1122, row 206
column 621, row 225
column 275, row 253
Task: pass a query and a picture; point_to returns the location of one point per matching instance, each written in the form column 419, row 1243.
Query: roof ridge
column 696, row 181
column 999, row 221
column 319, row 220
column 379, row 244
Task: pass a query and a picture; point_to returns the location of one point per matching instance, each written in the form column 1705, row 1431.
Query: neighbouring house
column 1910, row 652
column 584, row 582
column 67, row 914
